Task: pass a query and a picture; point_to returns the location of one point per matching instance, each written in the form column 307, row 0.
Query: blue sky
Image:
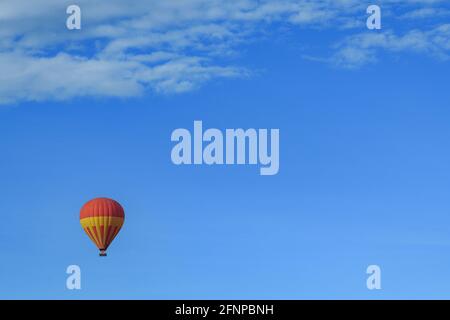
column 364, row 160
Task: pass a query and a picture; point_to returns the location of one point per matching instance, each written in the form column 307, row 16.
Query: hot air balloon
column 101, row 219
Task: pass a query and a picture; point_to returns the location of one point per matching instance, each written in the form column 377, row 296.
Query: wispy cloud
column 361, row 49
column 126, row 48
column 422, row 13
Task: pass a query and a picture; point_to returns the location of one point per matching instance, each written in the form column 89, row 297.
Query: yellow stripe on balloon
column 93, row 221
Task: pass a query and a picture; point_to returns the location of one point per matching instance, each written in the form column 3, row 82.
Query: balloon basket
column 102, row 253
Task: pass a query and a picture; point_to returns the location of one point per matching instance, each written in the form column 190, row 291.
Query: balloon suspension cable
column 102, row 253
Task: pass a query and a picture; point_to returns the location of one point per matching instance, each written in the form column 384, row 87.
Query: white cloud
column 362, row 48
column 66, row 76
column 422, row 13
column 126, row 48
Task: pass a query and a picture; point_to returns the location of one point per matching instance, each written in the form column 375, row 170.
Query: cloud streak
column 363, row 48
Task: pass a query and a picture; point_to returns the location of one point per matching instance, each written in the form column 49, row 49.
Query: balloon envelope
column 102, row 219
